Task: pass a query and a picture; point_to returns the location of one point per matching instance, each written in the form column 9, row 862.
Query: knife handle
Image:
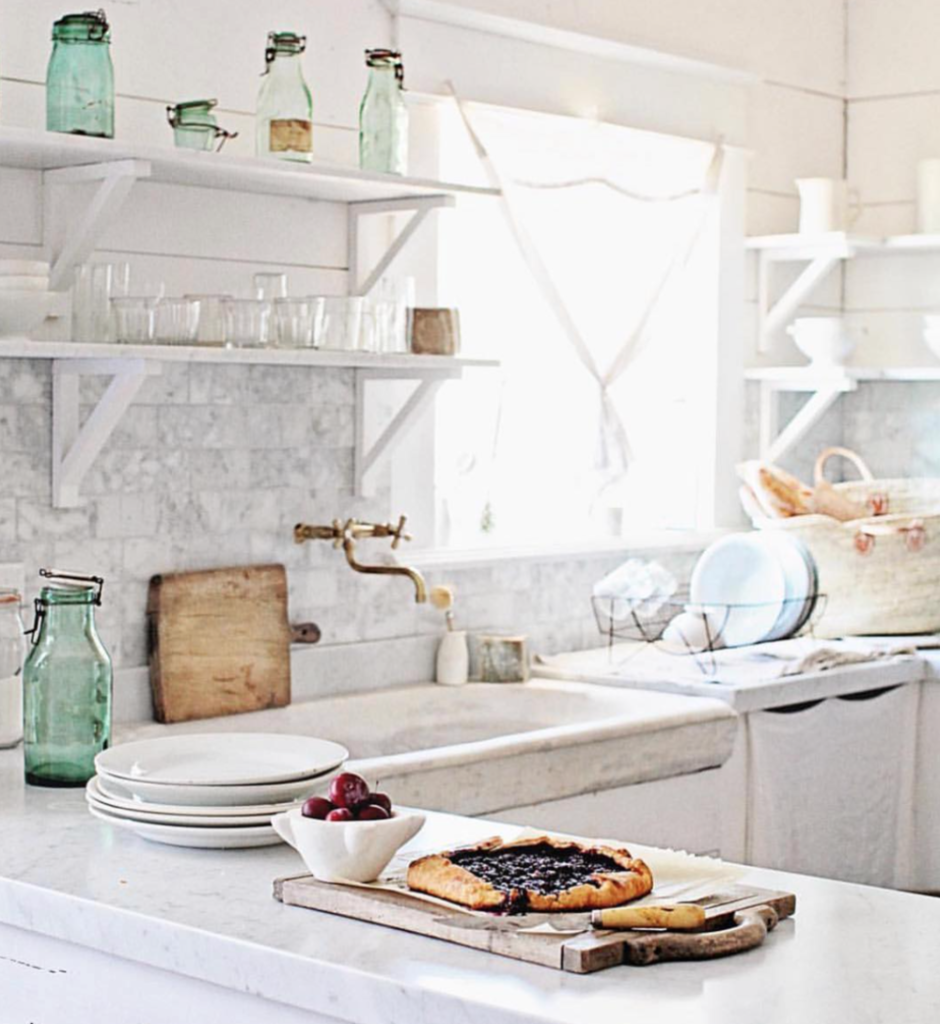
column 681, row 917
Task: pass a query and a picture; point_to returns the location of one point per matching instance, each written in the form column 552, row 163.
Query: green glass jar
column 383, row 116
column 195, row 127
column 80, row 77
column 284, row 120
column 67, row 682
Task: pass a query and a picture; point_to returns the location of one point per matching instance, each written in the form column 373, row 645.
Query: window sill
column 442, row 558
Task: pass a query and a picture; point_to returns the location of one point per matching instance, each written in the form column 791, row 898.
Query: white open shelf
column 825, row 384
column 335, row 183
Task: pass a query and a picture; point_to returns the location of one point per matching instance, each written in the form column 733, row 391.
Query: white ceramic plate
column 221, row 759
column 197, row 820
column 212, row 796
column 95, row 791
column 798, row 579
column 743, row 572
column 239, row 838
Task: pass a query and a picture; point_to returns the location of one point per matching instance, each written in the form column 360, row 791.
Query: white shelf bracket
column 76, row 445
column 368, row 457
column 420, row 208
column 775, row 444
column 773, row 317
column 72, row 241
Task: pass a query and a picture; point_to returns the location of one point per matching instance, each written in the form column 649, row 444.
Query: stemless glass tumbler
column 246, row 322
column 95, row 285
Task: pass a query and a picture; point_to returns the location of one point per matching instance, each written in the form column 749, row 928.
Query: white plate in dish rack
column 236, row 838
column 744, row 574
column 94, row 790
column 212, row 796
column 221, row 759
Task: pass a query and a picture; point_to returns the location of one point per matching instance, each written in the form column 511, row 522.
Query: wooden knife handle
column 749, row 930
column 682, row 917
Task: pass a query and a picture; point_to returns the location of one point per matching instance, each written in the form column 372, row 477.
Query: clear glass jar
column 12, row 653
column 80, row 76
column 383, row 116
column 67, row 682
column 284, row 124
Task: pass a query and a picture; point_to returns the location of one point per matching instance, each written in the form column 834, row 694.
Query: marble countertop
column 852, row 954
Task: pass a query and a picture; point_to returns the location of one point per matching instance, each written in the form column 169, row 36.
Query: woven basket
column 881, row 573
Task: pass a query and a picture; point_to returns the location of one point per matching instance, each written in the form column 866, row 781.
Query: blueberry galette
column 536, row 874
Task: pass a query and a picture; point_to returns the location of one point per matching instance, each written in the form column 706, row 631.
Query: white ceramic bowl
column 824, row 340
column 695, row 630
column 347, row 851
column 23, row 311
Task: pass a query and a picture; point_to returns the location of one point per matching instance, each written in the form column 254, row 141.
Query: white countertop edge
column 234, row 963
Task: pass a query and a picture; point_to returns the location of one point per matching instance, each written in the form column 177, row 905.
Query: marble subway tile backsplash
column 212, row 466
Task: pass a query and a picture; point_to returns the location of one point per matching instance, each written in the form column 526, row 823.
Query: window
column 519, row 453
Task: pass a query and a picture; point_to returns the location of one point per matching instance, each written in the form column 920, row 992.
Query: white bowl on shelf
column 824, row 340
column 23, row 311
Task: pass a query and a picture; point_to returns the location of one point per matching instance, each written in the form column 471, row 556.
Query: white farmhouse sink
column 487, row 746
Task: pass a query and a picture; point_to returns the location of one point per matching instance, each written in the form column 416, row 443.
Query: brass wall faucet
column 345, row 535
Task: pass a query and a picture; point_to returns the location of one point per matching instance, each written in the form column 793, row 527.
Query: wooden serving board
column 583, row 953
column 219, row 642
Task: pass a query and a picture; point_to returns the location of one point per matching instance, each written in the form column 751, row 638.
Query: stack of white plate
column 217, row 791
column 25, row 299
column 756, row 587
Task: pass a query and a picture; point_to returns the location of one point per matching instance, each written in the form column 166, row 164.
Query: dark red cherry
column 381, row 800
column 340, row 814
column 316, row 807
column 372, row 812
column 349, row 790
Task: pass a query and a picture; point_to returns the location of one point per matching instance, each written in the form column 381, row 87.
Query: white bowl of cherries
column 350, row 835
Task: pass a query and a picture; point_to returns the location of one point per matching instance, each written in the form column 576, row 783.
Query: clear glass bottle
column 383, row 115
column 285, row 106
column 12, row 653
column 80, row 76
column 67, row 683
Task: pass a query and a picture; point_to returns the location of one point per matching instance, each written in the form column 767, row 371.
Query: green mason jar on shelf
column 67, row 681
column 383, row 116
column 80, row 77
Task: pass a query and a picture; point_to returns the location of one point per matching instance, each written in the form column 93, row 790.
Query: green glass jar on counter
column 80, row 77
column 67, row 682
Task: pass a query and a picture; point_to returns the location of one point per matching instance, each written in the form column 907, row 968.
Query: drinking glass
column 177, row 321
column 246, row 322
column 211, row 319
column 133, row 318
column 340, row 323
column 293, row 322
column 94, row 286
column 270, row 286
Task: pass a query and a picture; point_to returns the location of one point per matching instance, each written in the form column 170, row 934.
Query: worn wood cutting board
column 219, row 642
column 584, row 953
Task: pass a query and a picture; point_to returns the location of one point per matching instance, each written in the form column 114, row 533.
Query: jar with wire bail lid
column 12, row 653
column 80, row 76
column 67, row 682
column 383, row 115
column 195, row 127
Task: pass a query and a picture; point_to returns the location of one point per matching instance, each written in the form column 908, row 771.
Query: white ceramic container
column 347, row 851
column 824, row 340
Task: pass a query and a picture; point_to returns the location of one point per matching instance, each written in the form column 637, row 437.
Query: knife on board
column 674, row 917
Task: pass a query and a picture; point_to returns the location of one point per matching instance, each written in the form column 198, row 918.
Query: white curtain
column 577, row 196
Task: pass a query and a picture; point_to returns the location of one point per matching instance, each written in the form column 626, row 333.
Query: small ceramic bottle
column 453, row 656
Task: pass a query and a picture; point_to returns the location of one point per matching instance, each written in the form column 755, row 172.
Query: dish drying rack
column 621, row 619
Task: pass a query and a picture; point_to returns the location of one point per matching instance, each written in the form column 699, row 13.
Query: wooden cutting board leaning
column 737, row 918
column 220, row 642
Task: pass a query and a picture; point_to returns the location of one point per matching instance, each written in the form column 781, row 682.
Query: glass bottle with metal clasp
column 285, row 106
column 12, row 653
column 195, row 127
column 80, row 76
column 383, row 115
column 67, row 682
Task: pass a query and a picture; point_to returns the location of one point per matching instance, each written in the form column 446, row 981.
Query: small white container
column 453, row 658
column 347, row 851
column 824, row 340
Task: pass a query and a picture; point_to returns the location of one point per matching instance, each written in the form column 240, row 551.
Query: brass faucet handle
column 398, row 532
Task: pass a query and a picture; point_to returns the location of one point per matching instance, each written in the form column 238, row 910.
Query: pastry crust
column 438, row 875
